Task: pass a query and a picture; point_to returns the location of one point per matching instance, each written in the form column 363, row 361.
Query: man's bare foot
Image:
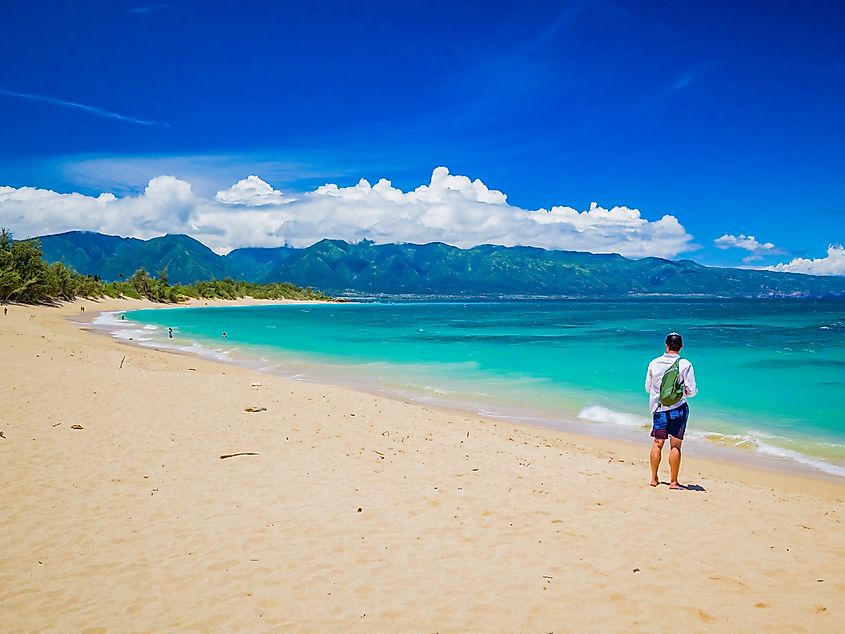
column 654, row 482
column 674, row 485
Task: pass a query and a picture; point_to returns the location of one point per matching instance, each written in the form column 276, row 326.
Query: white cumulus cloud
column 449, row 208
column 163, row 207
column 749, row 243
column 251, row 191
column 832, row 264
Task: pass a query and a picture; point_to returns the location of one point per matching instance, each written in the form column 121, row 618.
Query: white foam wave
column 761, row 442
column 130, row 334
column 599, row 414
column 193, row 348
column 801, row 458
column 108, row 318
column 123, row 329
column 753, row 440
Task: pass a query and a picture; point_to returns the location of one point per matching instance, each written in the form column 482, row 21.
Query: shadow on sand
column 689, row 487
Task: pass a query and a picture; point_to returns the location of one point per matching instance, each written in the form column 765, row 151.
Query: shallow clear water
column 771, row 373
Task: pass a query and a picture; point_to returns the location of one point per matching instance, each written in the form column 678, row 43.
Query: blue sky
column 727, row 116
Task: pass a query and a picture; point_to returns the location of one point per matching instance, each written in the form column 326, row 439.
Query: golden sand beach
column 139, row 495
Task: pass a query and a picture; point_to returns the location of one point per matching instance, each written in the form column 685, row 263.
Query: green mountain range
column 339, row 267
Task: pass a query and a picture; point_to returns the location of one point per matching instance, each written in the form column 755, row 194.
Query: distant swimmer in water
column 123, row 316
column 225, row 335
column 170, row 332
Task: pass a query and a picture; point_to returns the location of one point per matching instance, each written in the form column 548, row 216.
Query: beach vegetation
column 26, row 277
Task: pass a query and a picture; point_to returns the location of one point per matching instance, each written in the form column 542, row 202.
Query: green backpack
column 671, row 387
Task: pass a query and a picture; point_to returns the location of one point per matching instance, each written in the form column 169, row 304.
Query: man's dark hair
column 674, row 341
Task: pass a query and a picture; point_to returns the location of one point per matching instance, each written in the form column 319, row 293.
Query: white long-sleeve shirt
column 656, row 369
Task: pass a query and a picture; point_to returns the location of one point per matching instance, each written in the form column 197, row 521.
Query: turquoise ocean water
column 771, row 373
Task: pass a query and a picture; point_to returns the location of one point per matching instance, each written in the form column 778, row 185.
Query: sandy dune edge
column 135, row 523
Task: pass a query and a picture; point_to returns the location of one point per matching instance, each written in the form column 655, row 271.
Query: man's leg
column 656, row 452
column 674, row 461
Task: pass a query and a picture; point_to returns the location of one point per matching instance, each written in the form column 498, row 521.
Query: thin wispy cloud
column 149, row 8
column 569, row 14
column 95, row 110
column 682, row 82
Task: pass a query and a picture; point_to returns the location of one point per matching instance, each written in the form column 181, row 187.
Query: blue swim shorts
column 672, row 422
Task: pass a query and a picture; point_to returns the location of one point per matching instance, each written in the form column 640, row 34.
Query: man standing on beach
column 669, row 420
